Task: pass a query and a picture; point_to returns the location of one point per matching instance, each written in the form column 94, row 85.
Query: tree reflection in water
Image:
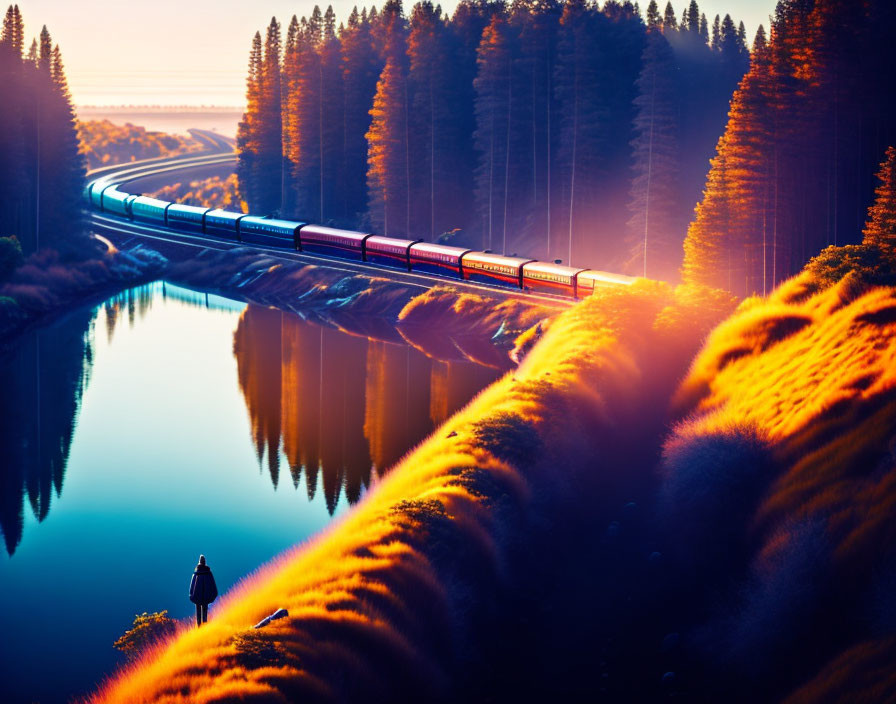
column 42, row 379
column 335, row 407
column 339, row 407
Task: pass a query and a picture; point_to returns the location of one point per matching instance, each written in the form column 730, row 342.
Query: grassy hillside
column 780, row 482
column 405, row 597
column 616, row 519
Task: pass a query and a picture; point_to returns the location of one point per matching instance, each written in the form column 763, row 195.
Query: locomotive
column 409, row 255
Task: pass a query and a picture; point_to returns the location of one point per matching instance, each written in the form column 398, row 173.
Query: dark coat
column 203, row 589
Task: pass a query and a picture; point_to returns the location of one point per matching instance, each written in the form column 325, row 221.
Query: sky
column 195, row 52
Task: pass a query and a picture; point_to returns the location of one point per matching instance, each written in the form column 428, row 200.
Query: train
column 413, row 255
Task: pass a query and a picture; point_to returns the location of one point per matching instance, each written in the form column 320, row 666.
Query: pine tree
column 493, row 100
column 692, row 23
column 248, row 131
column 63, row 174
column 653, row 16
column 306, row 125
column 270, row 146
column 434, row 134
column 289, row 87
column 655, row 201
column 361, row 66
column 534, row 124
column 704, row 29
column 716, row 43
column 387, row 156
column 670, row 24
column 881, row 226
column 332, row 118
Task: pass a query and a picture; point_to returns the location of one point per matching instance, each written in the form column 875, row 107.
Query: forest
column 41, row 167
column 559, row 130
column 795, row 169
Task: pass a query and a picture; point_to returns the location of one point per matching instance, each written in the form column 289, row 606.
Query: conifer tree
column 692, row 23
column 652, row 230
column 387, row 155
column 361, row 65
column 63, row 172
column 434, row 132
column 704, row 29
column 653, row 16
column 289, row 86
column 881, row 226
column 332, row 118
column 716, row 42
column 305, row 106
column 669, row 22
column 493, row 101
column 270, row 145
column 248, row 132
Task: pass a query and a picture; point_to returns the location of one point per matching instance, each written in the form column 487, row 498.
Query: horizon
column 206, row 68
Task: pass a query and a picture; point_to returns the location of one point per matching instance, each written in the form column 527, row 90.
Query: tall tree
column 493, row 101
column 881, row 226
column 670, row 23
column 434, row 132
column 387, row 156
column 655, row 199
column 248, row 132
column 361, row 65
column 270, row 146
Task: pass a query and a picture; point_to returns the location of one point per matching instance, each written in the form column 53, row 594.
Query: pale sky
column 194, row 52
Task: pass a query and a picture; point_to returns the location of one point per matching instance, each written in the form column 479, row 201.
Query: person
column 203, row 590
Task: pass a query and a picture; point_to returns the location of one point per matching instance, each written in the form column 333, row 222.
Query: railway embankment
column 443, row 322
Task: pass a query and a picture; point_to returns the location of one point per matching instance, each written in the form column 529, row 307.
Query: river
column 165, row 423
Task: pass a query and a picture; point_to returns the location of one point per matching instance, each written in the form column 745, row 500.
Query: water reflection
column 339, row 407
column 43, row 379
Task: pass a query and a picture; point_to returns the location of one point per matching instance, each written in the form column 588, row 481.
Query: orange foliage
column 104, row 143
column 214, row 192
column 809, row 373
column 384, row 604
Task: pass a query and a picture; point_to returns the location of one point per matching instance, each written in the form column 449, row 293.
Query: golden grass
column 384, row 603
column 810, row 374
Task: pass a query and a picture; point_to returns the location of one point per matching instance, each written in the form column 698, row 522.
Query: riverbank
column 47, row 285
column 556, row 540
column 443, row 322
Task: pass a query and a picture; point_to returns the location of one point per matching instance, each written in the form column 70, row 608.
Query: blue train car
column 388, row 250
column 329, row 240
column 436, row 258
column 223, row 223
column 494, row 268
column 117, row 202
column 187, row 217
column 269, row 231
column 95, row 192
column 149, row 209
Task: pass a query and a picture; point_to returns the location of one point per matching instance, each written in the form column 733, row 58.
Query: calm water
column 165, row 423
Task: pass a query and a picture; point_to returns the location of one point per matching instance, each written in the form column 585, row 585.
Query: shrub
column 10, row 256
column 147, row 630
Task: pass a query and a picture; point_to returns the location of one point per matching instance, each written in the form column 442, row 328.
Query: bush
column 147, row 630
column 10, row 256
